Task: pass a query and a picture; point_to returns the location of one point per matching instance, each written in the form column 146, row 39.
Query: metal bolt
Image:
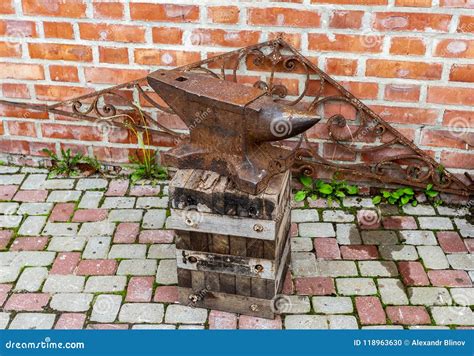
column 258, row 228
column 254, row 307
column 192, row 259
column 258, row 268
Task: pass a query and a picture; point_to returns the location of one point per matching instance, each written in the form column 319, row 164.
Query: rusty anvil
column 231, row 126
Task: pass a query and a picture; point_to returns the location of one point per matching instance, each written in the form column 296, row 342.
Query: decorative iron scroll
column 272, row 66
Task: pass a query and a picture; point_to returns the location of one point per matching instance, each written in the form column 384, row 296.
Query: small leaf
column 386, row 194
column 306, row 181
column 340, row 194
column 314, row 197
column 408, row 191
column 329, row 201
column 429, row 186
column 325, row 189
column 377, row 199
column 392, row 200
column 352, row 189
column 431, row 193
column 414, row 203
column 319, row 183
column 300, row 195
column 405, row 200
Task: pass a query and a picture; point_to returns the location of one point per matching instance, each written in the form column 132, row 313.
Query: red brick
column 31, row 196
column 222, row 320
column 469, row 245
column 462, row 73
column 62, row 212
column 164, row 12
column 413, row 273
column 449, row 278
column 407, row 46
column 341, row 66
column 126, row 233
column 223, row 14
column 156, row 236
column 406, row 115
column 457, row 160
column 315, row 286
column 112, row 75
column 70, row 321
column 359, row 252
column 370, row 310
column 7, row 191
column 448, row 95
column 97, row 267
column 413, row 3
column 345, row 43
column 117, row 188
column 113, row 55
column 56, row 51
column 18, row 29
column 278, row 16
column 18, row 128
column 288, row 285
column 445, row 138
column 10, row 111
column 83, row 133
column 351, row 2
column 107, row 326
column 58, row 93
column 166, row 294
column 140, row 289
column 458, row 119
column 466, row 24
column 408, row 315
column 327, row 248
column 10, row 49
column 112, row 154
column 346, row 19
column 457, row 3
column 451, row 242
column 58, row 30
column 5, row 237
column 398, row 92
column 108, row 10
column 167, row 35
column 19, row 71
column 27, row 302
column 251, row 322
column 143, row 191
column 452, row 48
column 90, row 215
column 399, row 223
column 70, row 8
column 115, row 33
column 63, row 73
column 65, row 262
column 4, row 289
column 407, row 21
column 29, row 244
column 219, row 37
column 403, row 69
column 6, row 7
column 293, row 39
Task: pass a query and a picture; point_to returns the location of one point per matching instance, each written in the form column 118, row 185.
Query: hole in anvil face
column 181, row 79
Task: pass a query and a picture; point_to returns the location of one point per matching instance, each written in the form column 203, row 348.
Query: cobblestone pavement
column 92, row 253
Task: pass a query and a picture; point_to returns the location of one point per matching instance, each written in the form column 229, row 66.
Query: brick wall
column 412, row 61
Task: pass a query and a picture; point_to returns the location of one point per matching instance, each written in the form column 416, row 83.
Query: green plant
column 315, row 188
column 401, row 197
column 70, row 164
column 432, row 195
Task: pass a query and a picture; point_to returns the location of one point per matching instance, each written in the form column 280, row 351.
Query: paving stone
column 91, row 184
column 166, row 273
column 463, row 296
column 162, row 251
column 348, row 234
column 117, row 188
column 8, row 169
column 303, row 264
column 293, row 304
column 61, row 229
column 166, row 294
column 90, row 215
column 71, row 302
column 125, row 215
column 126, row 233
column 9, row 179
column 449, row 278
column 154, row 219
column 370, row 310
column 10, row 221
column 33, row 258
column 27, row 302
column 67, row 243
column 327, row 248
column 31, row 196
column 419, row 210
column 144, row 190
column 452, row 315
column 127, row 251
column 5, row 237
column 104, row 284
column 106, row 308
column 36, row 321
column 369, row 219
column 65, row 263
column 60, row 183
column 451, row 242
column 57, row 283
column 379, row 237
column 465, row 229
column 339, row 216
column 138, row 268
column 383, row 327
column 398, row 252
column 315, row 286
column 154, row 326
column 304, row 215
column 97, row 267
column 34, row 170
column 413, row 273
column 316, row 230
column 464, row 261
column 118, row 203
column 399, row 222
column 140, row 289
column 101, row 228
column 446, row 210
column 104, row 326
column 70, row 321
column 358, row 202
column 31, row 279
column 378, row 268
column 7, row 191
column 360, row 252
column 222, row 320
column 251, row 322
column 336, row 268
column 7, row 258
column 332, row 305
column 391, row 291
column 9, row 208
column 433, row 257
column 62, row 212
column 301, row 244
column 35, row 208
column 37, row 243
column 342, row 322
column 435, row 223
column 64, row 196
column 141, row 313
column 306, row 322
column 429, row 296
column 4, row 320
column 97, row 247
column 152, row 202
column 408, row 315
column 191, row 327
column 32, row 226
column 34, row 181
column 156, row 236
column 356, row 286
column 418, row 237
column 90, row 200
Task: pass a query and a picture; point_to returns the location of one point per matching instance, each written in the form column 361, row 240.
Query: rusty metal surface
column 265, row 61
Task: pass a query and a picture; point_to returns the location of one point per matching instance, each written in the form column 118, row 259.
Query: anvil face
column 230, row 126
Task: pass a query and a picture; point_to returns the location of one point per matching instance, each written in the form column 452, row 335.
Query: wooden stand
column 233, row 249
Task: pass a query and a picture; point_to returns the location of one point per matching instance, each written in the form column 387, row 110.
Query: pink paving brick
column 144, row 190
column 399, row 223
column 70, row 321
column 29, row 243
column 294, row 229
column 31, row 196
column 288, row 285
column 7, row 191
column 27, row 301
column 315, row 286
column 156, row 236
column 65, row 263
column 451, row 242
column 126, row 233
column 251, row 322
column 222, row 320
column 413, row 273
column 4, row 289
column 469, row 245
column 408, row 315
column 368, row 219
column 370, row 310
column 96, row 267
column 90, row 215
column 449, row 278
column 107, row 326
column 117, row 188
column 140, row 289
column 359, row 252
column 5, row 237
column 327, row 248
column 62, row 212
column 166, row 294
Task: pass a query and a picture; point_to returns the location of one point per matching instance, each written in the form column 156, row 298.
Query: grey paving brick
column 339, row 216
column 304, row 264
column 10, row 208
column 378, row 268
column 398, row 252
column 392, row 291
column 63, row 196
column 90, row 200
column 348, row 234
column 185, row 315
column 152, row 202
column 71, row 302
column 463, row 296
column 336, row 268
column 435, row 223
column 101, row 228
column 97, row 247
column 429, row 296
column 67, row 243
column 4, row 320
column 126, row 215
column 356, row 286
column 358, row 202
column 154, row 219
column 59, row 183
column 166, row 273
column 137, row 267
column 297, row 322
column 34, row 170
column 447, row 211
column 461, row 261
column 304, row 215
column 465, row 229
column 10, row 221
column 452, row 315
column 433, row 257
column 301, row 244
column 32, row 226
column 7, row 258
column 58, row 283
column 419, row 210
column 9, row 169
column 60, row 229
column 34, row 258
column 191, row 327
column 154, row 326
column 379, row 237
column 142, row 313
column 9, row 274
column 128, row 251
column 31, row 279
column 106, row 308
column 383, row 327
column 316, row 230
column 294, row 304
column 104, row 284
column 36, row 321
column 418, row 237
column 34, row 182
column 35, row 208
column 11, row 179
column 332, row 305
column 118, row 203
column 91, row 183
column 342, row 322
column 162, row 251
